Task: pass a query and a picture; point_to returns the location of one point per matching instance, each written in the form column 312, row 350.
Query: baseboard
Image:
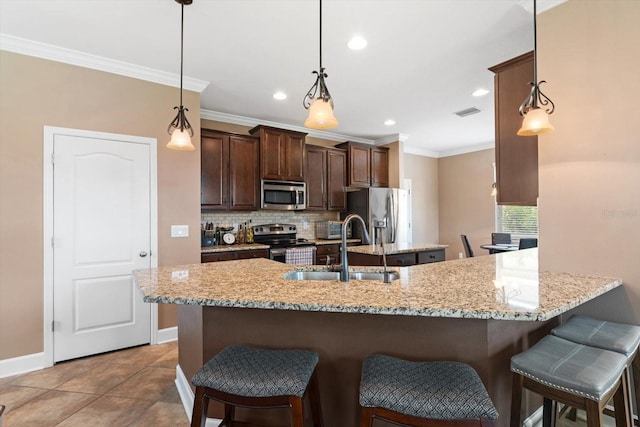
column 167, row 335
column 186, row 396
column 22, row 364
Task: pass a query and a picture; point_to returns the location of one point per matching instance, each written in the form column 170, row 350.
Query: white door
column 101, row 231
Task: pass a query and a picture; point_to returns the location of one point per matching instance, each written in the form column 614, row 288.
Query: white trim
column 167, row 334
column 49, row 133
column 187, row 397
column 467, row 149
column 94, row 62
column 420, row 152
column 251, row 122
column 22, row 364
column 402, row 137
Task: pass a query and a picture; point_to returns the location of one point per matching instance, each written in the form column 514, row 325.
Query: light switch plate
column 179, row 231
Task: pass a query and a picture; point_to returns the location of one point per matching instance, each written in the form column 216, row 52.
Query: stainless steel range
column 279, row 237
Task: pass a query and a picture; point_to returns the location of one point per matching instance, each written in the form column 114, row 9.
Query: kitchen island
column 397, row 254
column 479, row 310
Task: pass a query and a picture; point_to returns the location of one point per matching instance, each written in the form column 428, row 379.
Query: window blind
column 517, row 219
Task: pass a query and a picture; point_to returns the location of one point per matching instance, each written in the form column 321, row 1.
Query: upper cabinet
column 367, row 166
column 326, row 178
column 281, row 153
column 230, row 178
column 516, row 156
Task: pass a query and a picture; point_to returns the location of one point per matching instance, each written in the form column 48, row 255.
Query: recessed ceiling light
column 357, row 43
column 279, row 96
column 480, row 92
column 390, row 122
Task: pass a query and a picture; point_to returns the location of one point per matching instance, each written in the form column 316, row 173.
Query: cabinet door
column 218, row 256
column 214, row 157
column 379, row 167
column 316, row 178
column 272, row 147
column 359, row 166
column 402, row 259
column 427, row 257
column 244, row 174
column 336, row 180
column 516, row 156
column 294, row 157
column 253, row 253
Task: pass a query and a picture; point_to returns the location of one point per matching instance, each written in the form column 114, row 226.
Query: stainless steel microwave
column 283, row 195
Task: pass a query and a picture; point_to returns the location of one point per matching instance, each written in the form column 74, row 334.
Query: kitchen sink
column 335, row 275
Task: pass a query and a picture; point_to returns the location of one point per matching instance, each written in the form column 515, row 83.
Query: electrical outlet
column 305, row 225
column 460, row 255
column 180, row 275
column 179, row 231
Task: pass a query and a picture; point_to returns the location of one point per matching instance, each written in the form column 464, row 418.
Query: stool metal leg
column 549, row 413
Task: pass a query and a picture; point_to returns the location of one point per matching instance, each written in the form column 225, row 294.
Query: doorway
column 100, row 223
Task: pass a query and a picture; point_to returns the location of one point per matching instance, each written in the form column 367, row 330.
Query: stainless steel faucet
column 344, row 267
column 379, row 227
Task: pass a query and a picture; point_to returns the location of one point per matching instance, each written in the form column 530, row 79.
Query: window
column 517, row 220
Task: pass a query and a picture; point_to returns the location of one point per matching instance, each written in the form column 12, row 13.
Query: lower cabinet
column 232, row 255
column 397, row 260
column 328, row 252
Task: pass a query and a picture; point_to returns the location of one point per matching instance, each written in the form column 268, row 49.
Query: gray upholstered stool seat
column 571, row 373
column 619, row 337
column 259, row 378
column 425, row 390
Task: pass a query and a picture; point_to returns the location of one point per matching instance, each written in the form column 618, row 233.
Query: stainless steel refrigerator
column 387, row 207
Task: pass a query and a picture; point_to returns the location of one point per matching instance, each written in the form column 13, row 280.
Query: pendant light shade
column 321, row 115
column 321, row 106
column 180, row 129
column 536, row 119
column 535, row 122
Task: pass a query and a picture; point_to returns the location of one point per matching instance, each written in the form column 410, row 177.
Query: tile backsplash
column 304, row 221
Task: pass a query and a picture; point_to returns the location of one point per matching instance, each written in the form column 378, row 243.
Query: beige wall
column 37, row 93
column 464, row 202
column 590, row 166
column 423, row 173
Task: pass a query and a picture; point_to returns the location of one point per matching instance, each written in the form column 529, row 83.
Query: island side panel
column 190, row 341
column 343, row 340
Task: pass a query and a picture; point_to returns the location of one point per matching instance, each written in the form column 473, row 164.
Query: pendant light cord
column 320, row 35
column 181, row 49
column 535, row 44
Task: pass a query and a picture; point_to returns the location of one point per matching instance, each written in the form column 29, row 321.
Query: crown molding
column 467, row 149
column 251, row 122
column 420, row 152
column 73, row 57
column 402, row 137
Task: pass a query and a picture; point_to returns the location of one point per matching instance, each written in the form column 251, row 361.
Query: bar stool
column 258, row 378
column 420, row 393
column 574, row 374
column 619, row 337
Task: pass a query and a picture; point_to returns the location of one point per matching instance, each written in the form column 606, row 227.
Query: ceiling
column 423, row 60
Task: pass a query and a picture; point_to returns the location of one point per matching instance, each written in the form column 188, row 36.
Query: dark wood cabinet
column 326, row 178
column 229, row 171
column 329, row 252
column 367, row 166
column 281, row 153
column 516, row 156
column 233, row 255
column 398, row 260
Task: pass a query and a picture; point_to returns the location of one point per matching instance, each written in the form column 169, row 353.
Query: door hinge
column 53, row 162
column 53, row 326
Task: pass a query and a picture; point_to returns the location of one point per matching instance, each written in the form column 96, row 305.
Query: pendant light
column 534, row 108
column 320, row 108
column 180, row 129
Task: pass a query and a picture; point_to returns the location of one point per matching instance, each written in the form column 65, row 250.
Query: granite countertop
column 503, row 286
column 234, row 247
column 396, row 248
column 249, row 246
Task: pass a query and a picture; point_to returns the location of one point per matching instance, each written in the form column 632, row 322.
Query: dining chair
column 500, row 238
column 467, row 247
column 528, row 243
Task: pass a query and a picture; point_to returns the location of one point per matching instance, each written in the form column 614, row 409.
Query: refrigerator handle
column 392, row 214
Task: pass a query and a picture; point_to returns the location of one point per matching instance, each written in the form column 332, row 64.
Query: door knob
column 143, row 254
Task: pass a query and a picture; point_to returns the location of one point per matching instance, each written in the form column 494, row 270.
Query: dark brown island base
column 479, row 310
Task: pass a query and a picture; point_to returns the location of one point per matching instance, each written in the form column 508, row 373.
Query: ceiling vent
column 467, row 112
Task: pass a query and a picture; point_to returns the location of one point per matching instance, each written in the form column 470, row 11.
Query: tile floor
column 132, row 387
